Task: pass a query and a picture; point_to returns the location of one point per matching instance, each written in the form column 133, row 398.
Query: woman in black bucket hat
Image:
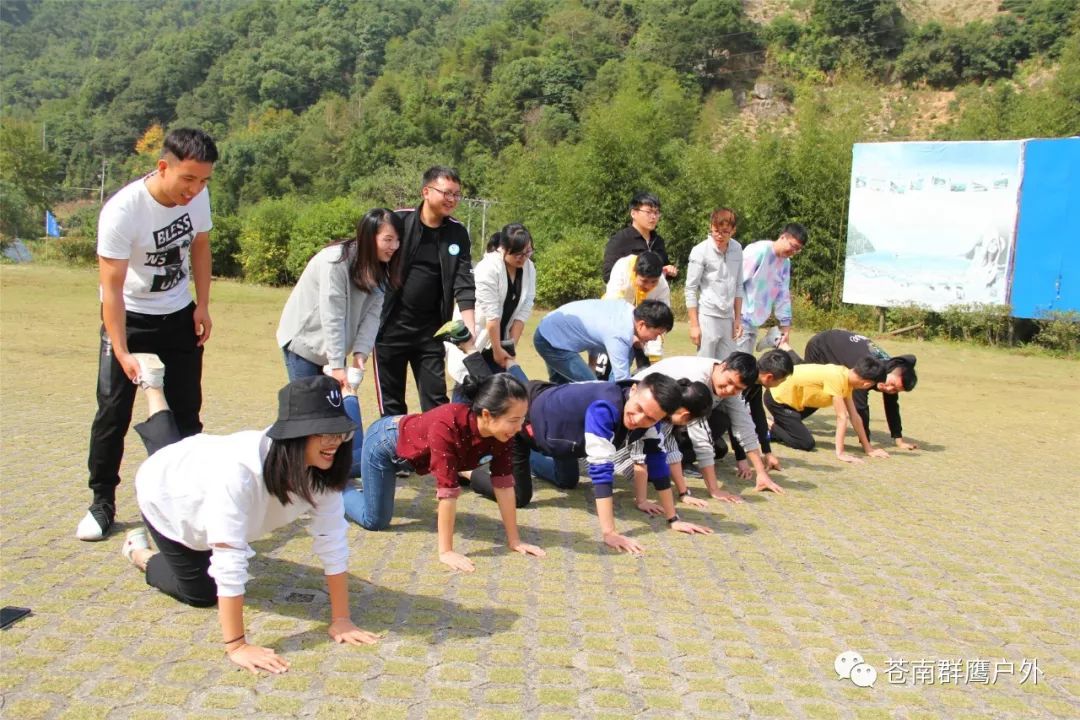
column 205, row 498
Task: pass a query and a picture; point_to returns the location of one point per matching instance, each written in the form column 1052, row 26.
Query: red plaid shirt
column 445, row 440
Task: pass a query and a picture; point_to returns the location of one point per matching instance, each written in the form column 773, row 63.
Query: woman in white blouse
column 505, row 290
column 205, row 498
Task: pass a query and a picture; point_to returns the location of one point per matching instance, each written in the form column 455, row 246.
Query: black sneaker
column 97, row 522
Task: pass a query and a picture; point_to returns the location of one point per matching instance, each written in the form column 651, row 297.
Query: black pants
column 176, row 569
column 754, row 397
column 172, row 338
column 788, row 425
column 480, row 480
column 428, row 361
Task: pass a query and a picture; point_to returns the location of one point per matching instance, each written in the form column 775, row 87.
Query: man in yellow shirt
column 812, row 387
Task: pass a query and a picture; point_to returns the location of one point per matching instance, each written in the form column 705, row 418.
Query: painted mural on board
column 931, row 223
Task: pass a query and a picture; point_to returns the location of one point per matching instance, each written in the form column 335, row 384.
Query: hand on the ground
column 457, row 561
column 772, row 463
column 848, row 458
column 623, row 543
column 877, row 453
column 743, row 470
column 690, row 528
column 255, row 658
column 203, row 323
column 527, row 549
column 343, row 631
column 692, row 501
column 649, row 507
column 905, row 445
column 725, row 496
column 695, row 335
column 130, row 365
column 764, row 482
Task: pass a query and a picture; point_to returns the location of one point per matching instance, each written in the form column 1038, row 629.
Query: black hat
column 310, row 406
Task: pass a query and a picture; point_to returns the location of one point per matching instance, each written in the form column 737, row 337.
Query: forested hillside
column 554, row 111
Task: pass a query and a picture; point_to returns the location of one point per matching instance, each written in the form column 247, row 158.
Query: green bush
column 76, row 250
column 568, row 270
column 225, row 246
column 806, row 316
column 1060, row 332
column 982, row 323
column 264, row 241
column 316, row 226
column 83, row 222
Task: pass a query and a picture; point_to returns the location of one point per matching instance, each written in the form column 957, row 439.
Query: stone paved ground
column 965, row 550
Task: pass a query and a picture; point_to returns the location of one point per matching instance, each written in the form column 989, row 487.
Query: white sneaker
column 89, row 529
column 151, row 370
column 770, row 341
column 136, row 539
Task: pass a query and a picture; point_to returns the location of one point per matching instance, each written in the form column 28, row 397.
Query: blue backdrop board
column 931, row 223
column 1046, row 273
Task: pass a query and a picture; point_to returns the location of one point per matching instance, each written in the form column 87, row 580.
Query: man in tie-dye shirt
column 767, row 283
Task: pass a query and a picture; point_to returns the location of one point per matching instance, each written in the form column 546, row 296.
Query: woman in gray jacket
column 334, row 309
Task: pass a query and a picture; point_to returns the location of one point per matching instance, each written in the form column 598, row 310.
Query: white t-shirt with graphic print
column 155, row 240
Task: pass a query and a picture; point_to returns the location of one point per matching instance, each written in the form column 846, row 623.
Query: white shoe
column 136, row 539
column 770, row 341
column 151, row 370
column 89, row 529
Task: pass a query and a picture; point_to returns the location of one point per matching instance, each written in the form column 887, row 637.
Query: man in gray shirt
column 714, row 288
column 727, row 379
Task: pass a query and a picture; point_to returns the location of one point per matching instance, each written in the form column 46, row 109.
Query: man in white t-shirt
column 153, row 238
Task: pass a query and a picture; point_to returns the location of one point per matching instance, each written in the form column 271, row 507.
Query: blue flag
column 52, row 228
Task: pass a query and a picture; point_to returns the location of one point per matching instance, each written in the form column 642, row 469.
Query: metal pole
column 101, row 191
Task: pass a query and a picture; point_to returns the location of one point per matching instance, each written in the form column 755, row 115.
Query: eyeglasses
column 650, row 211
column 446, row 193
column 328, row 439
column 523, row 254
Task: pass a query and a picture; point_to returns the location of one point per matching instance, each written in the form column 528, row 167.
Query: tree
column 28, row 175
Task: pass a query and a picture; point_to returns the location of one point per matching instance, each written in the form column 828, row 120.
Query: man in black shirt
column 437, row 271
column 638, row 237
column 843, row 347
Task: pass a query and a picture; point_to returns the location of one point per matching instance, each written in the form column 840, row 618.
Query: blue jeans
column 298, row 367
column 373, row 506
column 562, row 471
column 515, row 371
column 563, row 365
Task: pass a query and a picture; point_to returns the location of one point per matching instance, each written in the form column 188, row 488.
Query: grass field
column 962, row 552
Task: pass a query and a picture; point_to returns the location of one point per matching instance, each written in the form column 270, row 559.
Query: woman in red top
column 441, row 442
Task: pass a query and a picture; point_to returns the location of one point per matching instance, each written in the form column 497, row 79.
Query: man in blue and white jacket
column 593, row 420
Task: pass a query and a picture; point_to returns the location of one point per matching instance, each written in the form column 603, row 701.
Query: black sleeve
column 464, row 287
column 861, row 400
column 753, row 395
column 612, row 252
column 892, row 415
column 660, row 248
